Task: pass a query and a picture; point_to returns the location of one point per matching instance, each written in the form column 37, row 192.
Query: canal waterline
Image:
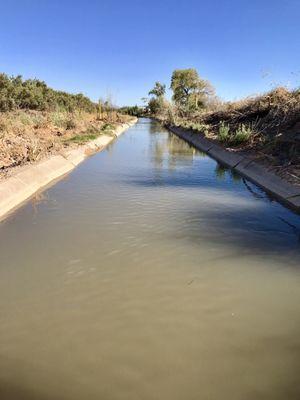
column 150, row 272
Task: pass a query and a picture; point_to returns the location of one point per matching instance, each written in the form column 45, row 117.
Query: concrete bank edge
column 15, row 190
column 283, row 191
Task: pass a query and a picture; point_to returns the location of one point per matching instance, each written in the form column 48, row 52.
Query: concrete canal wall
column 283, row 191
column 31, row 178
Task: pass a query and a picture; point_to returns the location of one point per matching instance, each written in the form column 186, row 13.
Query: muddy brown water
column 150, row 272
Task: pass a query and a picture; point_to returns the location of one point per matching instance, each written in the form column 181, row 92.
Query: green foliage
column 38, row 121
column 159, row 90
column 155, row 105
column 171, row 116
column 91, row 133
column 108, row 129
column 190, row 92
column 196, row 126
column 132, row 110
column 58, row 119
column 33, row 94
column 107, row 126
column 241, row 135
column 223, row 134
column 83, row 138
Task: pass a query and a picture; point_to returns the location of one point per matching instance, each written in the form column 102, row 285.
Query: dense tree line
column 132, row 110
column 33, row 94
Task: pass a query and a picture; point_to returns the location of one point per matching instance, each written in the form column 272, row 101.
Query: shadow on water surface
column 15, row 385
column 10, row 391
column 243, row 217
column 231, row 211
column 188, row 204
column 253, row 232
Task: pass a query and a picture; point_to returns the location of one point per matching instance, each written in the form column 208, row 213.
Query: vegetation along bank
column 45, row 133
column 262, row 130
column 37, row 121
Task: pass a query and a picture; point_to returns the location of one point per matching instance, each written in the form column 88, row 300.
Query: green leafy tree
column 190, row 92
column 159, row 90
column 157, row 103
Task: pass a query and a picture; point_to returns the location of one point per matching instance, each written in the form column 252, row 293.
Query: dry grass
column 265, row 127
column 28, row 136
column 273, row 119
column 270, row 113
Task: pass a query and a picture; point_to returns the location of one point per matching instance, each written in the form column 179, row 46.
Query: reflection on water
column 150, row 273
column 171, row 149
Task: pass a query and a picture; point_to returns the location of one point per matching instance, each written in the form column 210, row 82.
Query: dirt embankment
column 265, row 128
column 28, row 136
column 24, row 181
column 274, row 125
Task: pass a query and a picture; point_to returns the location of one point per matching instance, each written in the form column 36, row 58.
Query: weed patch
column 241, row 135
column 223, row 133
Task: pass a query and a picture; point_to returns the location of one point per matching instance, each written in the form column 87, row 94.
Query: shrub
column 171, row 116
column 70, row 123
column 58, row 119
column 200, row 127
column 223, row 133
column 107, row 126
column 241, row 135
column 156, row 105
column 38, row 121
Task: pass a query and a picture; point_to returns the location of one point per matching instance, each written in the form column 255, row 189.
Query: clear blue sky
column 122, row 47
